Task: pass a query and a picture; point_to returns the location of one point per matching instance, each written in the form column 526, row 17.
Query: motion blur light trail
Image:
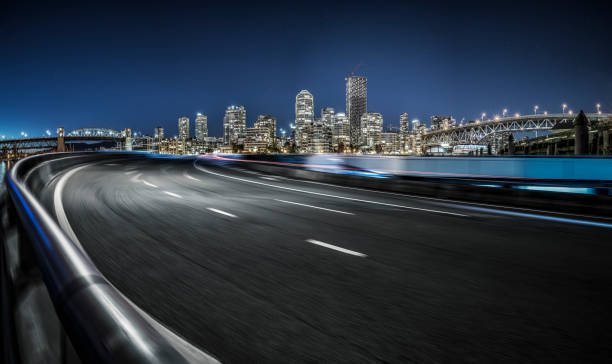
column 237, row 270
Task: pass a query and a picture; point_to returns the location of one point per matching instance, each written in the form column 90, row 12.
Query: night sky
column 143, row 65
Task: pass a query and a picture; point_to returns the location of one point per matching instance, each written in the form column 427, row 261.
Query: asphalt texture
column 256, row 268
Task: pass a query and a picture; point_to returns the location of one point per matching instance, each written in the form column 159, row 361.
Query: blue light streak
column 539, row 217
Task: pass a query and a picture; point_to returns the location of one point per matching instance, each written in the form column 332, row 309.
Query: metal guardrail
column 102, row 326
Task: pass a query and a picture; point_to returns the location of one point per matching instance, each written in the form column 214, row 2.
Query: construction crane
column 355, row 69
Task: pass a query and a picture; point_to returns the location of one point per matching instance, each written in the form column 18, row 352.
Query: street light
column 496, row 117
column 535, row 110
column 571, row 112
column 564, row 106
column 48, row 133
column 598, row 108
column 545, row 112
column 504, row 113
column 517, row 115
column 482, row 116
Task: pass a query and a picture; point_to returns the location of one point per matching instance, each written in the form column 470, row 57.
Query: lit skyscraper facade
column 304, row 117
column 442, row 122
column 183, row 127
column 356, row 104
column 234, row 124
column 340, row 132
column 371, row 130
column 320, row 137
column 159, row 133
column 201, row 127
column 404, row 136
column 267, row 123
column 404, row 123
column 327, row 115
column 390, row 143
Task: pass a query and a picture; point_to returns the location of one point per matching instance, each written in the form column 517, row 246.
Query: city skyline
column 118, row 73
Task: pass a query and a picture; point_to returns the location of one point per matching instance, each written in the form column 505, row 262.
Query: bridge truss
column 495, row 132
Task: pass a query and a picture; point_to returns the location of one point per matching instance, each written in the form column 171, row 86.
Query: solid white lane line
column 111, row 164
column 172, row 194
column 149, row 184
column 315, row 207
column 191, row 178
column 130, row 172
column 269, row 178
column 328, row 195
column 221, row 212
column 346, row 251
column 60, row 213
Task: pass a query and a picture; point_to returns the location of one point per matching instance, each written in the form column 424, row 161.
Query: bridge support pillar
column 581, row 130
column 61, row 146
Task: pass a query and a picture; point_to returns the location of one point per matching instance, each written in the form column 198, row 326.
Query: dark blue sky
column 142, row 65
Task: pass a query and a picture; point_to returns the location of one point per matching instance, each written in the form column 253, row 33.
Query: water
column 2, row 171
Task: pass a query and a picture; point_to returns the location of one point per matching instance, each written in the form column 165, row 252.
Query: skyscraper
column 159, row 133
column 267, row 123
column 442, row 122
column 183, row 127
column 371, row 130
column 304, row 117
column 404, row 123
column 356, row 104
column 201, row 127
column 340, row 132
column 262, row 135
column 234, row 124
column 327, row 115
column 320, row 137
column 404, row 132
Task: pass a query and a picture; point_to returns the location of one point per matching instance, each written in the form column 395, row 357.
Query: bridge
column 133, row 258
column 14, row 149
column 495, row 131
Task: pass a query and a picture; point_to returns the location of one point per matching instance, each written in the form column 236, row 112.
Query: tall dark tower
column 581, row 143
column 356, row 104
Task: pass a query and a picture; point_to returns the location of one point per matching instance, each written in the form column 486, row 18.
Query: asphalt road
column 254, row 268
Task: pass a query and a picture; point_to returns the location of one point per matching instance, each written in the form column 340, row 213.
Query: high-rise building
column 234, row 124
column 341, row 132
column 404, row 123
column 390, row 142
column 371, row 131
column 183, row 127
column 267, row 123
column 159, row 133
column 262, row 135
column 442, row 122
column 201, row 127
column 304, row 117
column 320, row 137
column 418, row 139
column 404, row 136
column 327, row 115
column 356, row 104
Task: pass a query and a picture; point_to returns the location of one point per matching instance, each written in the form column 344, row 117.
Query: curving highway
column 258, row 268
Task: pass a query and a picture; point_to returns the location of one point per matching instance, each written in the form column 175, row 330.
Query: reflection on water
column 2, row 171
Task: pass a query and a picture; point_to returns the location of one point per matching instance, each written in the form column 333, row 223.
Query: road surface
column 256, row 268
